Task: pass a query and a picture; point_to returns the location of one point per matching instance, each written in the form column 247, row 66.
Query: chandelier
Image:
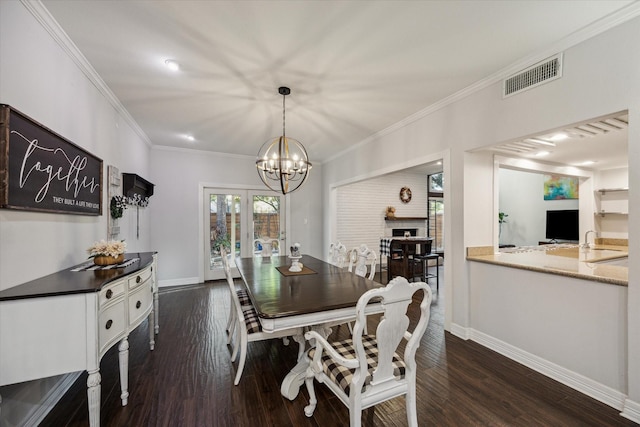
column 282, row 162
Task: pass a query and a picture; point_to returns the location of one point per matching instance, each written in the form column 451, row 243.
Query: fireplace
column 399, row 232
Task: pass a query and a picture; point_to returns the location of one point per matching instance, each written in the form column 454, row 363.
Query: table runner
column 90, row 266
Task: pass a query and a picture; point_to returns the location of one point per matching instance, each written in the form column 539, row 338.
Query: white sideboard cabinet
column 66, row 321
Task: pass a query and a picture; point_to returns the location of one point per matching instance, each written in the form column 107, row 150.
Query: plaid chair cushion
column 251, row 321
column 243, row 296
column 342, row 375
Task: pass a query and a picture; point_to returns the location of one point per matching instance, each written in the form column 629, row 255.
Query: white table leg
column 123, row 357
column 295, row 378
column 93, row 397
column 152, row 342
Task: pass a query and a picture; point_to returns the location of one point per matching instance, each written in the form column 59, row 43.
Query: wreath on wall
column 117, row 206
column 405, row 194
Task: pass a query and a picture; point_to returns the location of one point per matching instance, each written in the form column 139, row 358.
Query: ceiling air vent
column 540, row 73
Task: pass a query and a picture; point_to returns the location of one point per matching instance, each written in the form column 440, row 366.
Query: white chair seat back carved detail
column 361, row 258
column 338, row 254
column 368, row 369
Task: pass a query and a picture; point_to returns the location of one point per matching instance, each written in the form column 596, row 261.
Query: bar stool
column 422, row 259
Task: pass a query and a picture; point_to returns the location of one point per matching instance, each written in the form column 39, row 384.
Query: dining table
column 319, row 296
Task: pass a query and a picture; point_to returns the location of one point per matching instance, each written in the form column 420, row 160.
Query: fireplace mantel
column 406, row 218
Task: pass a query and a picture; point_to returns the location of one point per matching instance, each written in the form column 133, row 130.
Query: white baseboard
column 178, row 282
column 52, row 397
column 584, row 385
column 631, row 410
column 460, row 331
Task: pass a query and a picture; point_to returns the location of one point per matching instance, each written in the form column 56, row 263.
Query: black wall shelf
column 132, row 184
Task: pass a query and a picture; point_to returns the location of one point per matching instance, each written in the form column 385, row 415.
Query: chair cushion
column 342, row 376
column 251, row 321
column 243, row 296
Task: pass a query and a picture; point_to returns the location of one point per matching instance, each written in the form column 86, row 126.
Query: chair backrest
column 266, row 246
column 232, row 287
column 338, row 254
column 392, row 329
column 425, row 248
column 360, row 258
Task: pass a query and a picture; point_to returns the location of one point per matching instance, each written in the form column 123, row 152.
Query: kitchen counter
column 561, row 259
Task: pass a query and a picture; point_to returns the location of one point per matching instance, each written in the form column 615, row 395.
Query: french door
column 240, row 220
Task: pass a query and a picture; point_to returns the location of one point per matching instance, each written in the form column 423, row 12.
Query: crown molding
column 44, row 17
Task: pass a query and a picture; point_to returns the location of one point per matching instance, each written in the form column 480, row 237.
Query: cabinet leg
column 123, row 357
column 152, row 341
column 155, row 310
column 93, row 397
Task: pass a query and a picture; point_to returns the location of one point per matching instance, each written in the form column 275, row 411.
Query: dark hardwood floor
column 188, row 380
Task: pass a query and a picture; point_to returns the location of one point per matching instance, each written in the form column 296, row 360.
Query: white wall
column 361, row 208
column 599, row 78
column 522, row 197
column 39, row 78
column 179, row 176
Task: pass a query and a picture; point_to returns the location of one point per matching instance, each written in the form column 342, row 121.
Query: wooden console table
column 66, row 321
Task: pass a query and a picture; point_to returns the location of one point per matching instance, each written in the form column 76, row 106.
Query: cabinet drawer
column 140, row 303
column 139, row 278
column 111, row 292
column 111, row 325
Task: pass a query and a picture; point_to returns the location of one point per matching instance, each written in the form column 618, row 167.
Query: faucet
column 586, row 239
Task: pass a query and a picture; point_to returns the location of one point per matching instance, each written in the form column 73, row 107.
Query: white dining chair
column 248, row 329
column 365, row 370
column 359, row 258
column 243, row 297
column 338, row 254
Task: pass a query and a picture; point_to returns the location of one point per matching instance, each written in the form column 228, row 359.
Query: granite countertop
column 561, row 259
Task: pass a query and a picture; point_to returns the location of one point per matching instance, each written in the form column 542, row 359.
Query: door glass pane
column 224, row 227
column 266, row 224
column 436, row 228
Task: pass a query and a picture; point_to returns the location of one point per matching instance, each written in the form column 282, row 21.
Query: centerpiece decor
column 107, row 252
column 296, row 265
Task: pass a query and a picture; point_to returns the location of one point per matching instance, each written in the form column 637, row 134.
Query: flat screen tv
column 562, row 225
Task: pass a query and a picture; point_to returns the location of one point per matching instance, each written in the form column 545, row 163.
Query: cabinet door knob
column 138, row 279
column 109, row 293
column 138, row 304
column 109, row 323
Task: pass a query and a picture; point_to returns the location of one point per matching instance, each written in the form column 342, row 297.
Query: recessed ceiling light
column 542, row 153
column 559, row 136
column 586, row 163
column 190, row 137
column 172, row 65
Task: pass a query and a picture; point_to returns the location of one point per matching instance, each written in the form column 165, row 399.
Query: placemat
column 284, row 269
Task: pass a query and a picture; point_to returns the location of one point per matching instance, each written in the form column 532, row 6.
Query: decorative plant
column 220, row 237
column 117, row 206
column 502, row 218
column 112, row 248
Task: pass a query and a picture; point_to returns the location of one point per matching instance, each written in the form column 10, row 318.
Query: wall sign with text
column 42, row 171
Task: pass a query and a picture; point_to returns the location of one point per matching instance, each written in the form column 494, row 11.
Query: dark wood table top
column 65, row 282
column 275, row 295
